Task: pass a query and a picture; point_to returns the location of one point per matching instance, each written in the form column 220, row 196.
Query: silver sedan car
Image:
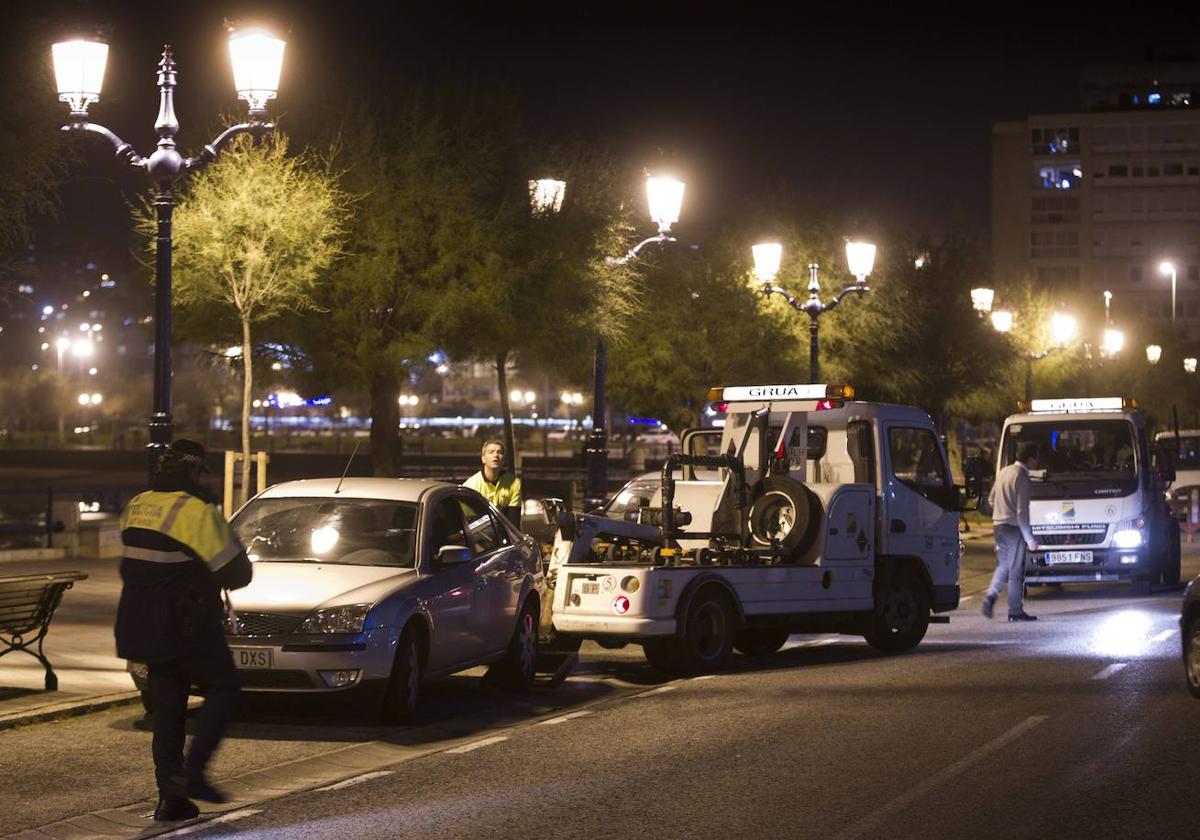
column 373, row 583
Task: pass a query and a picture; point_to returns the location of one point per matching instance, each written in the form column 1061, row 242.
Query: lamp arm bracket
column 853, row 288
column 212, row 150
column 125, row 152
column 636, row 249
column 769, row 289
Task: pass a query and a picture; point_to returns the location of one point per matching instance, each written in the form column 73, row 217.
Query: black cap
column 189, row 453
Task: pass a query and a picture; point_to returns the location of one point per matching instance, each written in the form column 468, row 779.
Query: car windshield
column 357, row 532
column 633, row 495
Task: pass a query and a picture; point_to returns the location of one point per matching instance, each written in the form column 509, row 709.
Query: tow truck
column 820, row 514
column 1099, row 507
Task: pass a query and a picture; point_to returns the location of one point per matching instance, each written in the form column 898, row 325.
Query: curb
column 69, row 708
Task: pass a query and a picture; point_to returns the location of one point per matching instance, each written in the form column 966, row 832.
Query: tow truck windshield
column 1098, row 454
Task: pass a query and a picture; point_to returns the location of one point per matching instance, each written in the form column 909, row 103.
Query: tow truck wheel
column 1170, row 567
column 759, row 641
column 707, row 640
column 901, row 614
column 1191, row 654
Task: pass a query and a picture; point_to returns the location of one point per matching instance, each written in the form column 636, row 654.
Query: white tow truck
column 820, row 514
column 1098, row 506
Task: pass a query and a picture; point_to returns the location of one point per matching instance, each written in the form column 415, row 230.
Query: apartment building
column 1098, row 200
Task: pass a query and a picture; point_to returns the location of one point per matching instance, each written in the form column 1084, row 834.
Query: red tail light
column 620, row 605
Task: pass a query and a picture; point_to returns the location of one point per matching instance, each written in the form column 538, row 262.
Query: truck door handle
column 898, row 526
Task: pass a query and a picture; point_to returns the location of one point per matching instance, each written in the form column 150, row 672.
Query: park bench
column 27, row 603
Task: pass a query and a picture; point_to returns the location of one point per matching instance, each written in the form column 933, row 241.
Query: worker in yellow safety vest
column 179, row 554
column 499, row 486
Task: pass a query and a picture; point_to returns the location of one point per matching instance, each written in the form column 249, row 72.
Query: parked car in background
column 370, row 587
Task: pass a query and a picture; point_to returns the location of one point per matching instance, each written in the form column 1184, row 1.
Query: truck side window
column 860, row 445
column 917, row 462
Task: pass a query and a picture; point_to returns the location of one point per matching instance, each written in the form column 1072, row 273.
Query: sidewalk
column 79, row 646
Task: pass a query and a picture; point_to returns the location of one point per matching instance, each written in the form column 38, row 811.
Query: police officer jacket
column 179, row 554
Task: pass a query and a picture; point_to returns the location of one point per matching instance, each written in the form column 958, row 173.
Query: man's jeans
column 1010, row 567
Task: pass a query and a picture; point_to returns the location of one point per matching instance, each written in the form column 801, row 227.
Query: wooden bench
column 27, row 603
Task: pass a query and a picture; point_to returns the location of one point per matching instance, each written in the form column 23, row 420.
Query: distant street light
column 860, row 257
column 546, row 195
column 1002, row 320
column 257, row 59
column 1167, row 267
column 1114, row 342
column 981, row 299
column 664, row 198
column 1189, row 364
column 1153, row 353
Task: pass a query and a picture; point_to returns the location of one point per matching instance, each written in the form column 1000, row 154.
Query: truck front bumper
column 1107, row 565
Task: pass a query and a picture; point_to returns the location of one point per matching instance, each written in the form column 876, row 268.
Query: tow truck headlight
column 1131, row 533
column 336, row 620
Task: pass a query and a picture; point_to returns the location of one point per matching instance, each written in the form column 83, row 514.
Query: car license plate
column 252, row 658
column 1054, row 558
column 591, row 587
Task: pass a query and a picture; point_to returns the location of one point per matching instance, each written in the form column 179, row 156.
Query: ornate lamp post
column 665, row 200
column 1063, row 329
column 860, row 256
column 257, row 59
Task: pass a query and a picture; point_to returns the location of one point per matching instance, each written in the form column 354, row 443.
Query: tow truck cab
column 1184, row 447
column 1098, row 504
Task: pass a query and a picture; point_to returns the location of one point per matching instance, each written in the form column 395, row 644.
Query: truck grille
column 263, row 624
column 1073, row 537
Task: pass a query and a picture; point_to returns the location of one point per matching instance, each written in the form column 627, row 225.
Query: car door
column 449, row 590
column 920, row 519
column 497, row 567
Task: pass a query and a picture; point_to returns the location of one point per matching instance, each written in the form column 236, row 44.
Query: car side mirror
column 1164, row 464
column 974, row 471
column 452, row 555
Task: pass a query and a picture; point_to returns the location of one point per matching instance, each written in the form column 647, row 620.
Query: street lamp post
column 767, row 256
column 1167, row 267
column 665, row 199
column 1063, row 329
column 257, row 58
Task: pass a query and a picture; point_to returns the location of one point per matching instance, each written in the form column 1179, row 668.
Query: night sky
column 882, row 114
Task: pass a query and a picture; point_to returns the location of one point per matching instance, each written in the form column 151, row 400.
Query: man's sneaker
column 986, row 607
column 1022, row 616
column 175, row 808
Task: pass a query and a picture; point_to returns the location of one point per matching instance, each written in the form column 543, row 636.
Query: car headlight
column 336, row 620
column 1131, row 533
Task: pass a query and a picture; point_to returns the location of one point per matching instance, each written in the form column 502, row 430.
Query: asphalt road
column 1077, row 725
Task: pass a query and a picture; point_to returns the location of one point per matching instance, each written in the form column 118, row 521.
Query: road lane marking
column 564, row 718
column 1163, row 636
column 474, row 745
column 965, row 598
column 356, row 780
column 704, row 677
column 872, row 821
column 1110, row 670
column 207, row 824
column 662, row 689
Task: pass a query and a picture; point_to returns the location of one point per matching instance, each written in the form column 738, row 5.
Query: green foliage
column 702, row 326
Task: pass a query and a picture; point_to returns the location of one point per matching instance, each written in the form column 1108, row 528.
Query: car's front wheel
column 519, row 666
column 404, row 687
column 1191, row 654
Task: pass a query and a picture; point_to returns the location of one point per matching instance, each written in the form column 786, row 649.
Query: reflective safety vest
column 505, row 493
column 184, row 519
column 179, row 552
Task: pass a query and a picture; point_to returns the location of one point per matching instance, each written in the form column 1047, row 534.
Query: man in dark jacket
column 179, row 555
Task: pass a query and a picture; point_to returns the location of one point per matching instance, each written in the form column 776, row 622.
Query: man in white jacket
column 1010, row 521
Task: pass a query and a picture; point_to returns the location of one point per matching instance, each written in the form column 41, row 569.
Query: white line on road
column 474, row 745
column 965, row 598
column 224, row 818
column 704, row 677
column 662, row 689
column 876, row 818
column 1163, row 636
column 356, row 780
column 1110, row 670
column 564, row 718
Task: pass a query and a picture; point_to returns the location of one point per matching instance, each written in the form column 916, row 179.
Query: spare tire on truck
column 786, row 513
